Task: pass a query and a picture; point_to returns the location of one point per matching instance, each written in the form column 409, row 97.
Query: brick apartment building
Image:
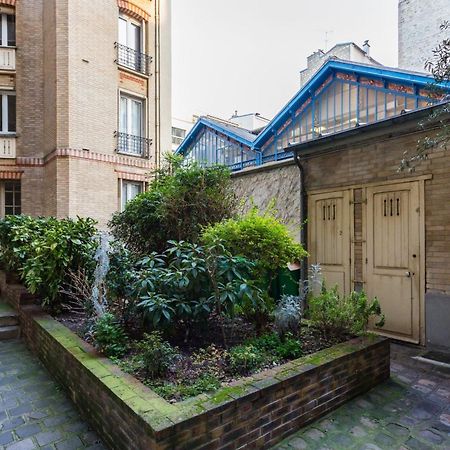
column 85, row 103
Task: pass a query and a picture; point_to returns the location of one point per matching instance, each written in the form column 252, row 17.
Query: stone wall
column 274, row 183
column 255, row 412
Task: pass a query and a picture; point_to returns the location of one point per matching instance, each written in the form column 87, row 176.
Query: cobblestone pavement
column 411, row 411
column 34, row 412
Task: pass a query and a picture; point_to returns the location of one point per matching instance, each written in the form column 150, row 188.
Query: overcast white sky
column 246, row 55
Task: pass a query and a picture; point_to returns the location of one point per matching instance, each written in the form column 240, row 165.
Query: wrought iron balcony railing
column 127, row 144
column 132, row 59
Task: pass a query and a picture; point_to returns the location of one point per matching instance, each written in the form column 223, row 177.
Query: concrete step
column 8, row 319
column 9, row 333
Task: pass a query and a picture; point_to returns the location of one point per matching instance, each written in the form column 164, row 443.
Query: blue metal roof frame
column 333, row 65
column 238, row 134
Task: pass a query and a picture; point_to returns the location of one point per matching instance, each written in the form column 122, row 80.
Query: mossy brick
column 149, row 421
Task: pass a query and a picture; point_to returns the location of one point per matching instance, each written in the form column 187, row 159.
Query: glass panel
column 1, row 31
column 11, row 113
column 353, row 113
column 410, row 103
column 390, row 105
column 1, row 114
column 134, row 38
column 381, row 105
column 9, row 198
column 123, row 26
column 371, row 105
column 11, row 20
column 123, row 126
column 136, row 118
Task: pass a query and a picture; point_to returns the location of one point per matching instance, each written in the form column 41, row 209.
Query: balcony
column 7, row 147
column 7, row 58
column 130, row 145
column 132, row 59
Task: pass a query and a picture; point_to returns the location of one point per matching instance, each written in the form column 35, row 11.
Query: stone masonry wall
column 274, row 183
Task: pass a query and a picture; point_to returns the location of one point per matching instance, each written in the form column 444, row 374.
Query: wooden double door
column 369, row 238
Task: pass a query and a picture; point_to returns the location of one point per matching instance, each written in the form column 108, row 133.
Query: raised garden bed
column 256, row 411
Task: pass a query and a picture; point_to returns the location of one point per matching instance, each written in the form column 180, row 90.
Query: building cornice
column 8, row 2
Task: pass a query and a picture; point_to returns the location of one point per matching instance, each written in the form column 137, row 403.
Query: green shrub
column 337, row 315
column 257, row 237
column 155, row 355
column 247, row 358
column 109, row 336
column 288, row 315
column 179, row 202
column 287, row 348
column 44, row 250
column 188, row 282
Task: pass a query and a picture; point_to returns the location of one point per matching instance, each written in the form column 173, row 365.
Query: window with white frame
column 7, row 30
column 131, row 44
column 129, row 190
column 7, row 112
column 11, row 198
column 131, row 115
column 178, row 134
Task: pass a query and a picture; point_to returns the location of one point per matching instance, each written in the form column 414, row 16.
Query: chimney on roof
column 366, row 47
column 235, row 113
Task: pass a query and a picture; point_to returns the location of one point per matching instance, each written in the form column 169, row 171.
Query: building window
column 130, row 46
column 131, row 115
column 131, row 134
column 129, row 190
column 12, row 198
column 8, row 113
column 178, row 134
column 7, row 30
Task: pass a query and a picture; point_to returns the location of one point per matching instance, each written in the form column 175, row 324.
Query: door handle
column 409, row 274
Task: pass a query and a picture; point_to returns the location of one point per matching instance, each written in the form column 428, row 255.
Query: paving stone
column 298, row 443
column 27, row 444
column 28, row 430
column 315, row 434
column 414, row 444
column 6, row 438
column 431, row 436
column 47, row 437
column 445, row 419
column 397, row 430
column 358, row 431
column 70, row 444
column 384, row 440
column 370, row 447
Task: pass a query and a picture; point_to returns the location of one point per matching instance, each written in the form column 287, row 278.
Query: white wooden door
column 392, row 256
column 329, row 237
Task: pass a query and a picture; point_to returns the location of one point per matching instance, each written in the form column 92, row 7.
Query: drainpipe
column 303, row 217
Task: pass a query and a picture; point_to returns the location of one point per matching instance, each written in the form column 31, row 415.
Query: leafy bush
column 188, row 282
column 44, row 250
column 155, row 355
column 258, row 237
column 337, row 315
column 179, row 202
column 288, row 315
column 244, row 359
column 287, row 347
column 109, row 336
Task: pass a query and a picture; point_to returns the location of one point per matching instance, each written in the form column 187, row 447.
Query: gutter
column 303, row 218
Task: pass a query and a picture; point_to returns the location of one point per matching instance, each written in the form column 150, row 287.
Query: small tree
column 181, row 200
column 439, row 67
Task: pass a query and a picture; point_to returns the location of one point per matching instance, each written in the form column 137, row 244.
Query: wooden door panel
column 392, row 256
column 329, row 237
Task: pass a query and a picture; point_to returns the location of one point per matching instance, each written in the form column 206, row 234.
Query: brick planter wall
column 256, row 412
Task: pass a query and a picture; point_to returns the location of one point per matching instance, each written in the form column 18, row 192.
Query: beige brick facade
column 68, row 82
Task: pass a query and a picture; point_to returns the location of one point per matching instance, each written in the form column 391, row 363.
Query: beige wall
column 68, row 83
